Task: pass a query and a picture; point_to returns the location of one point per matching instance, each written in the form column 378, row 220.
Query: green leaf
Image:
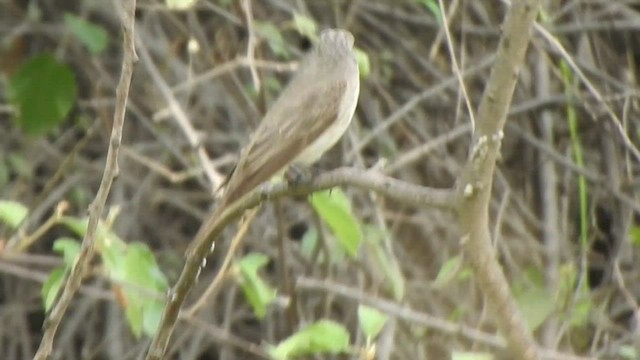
column 634, row 234
column 534, row 301
column 371, row 321
column 141, row 270
column 114, row 256
column 257, row 292
column 432, row 5
column 51, row 287
column 12, row 213
column 364, row 66
column 152, row 315
column 134, row 265
column 133, row 311
column 93, row 36
column 78, row 226
column 112, row 249
column 448, row 271
column 44, row 91
column 544, row 16
column 273, row 36
column 324, row 336
column 69, row 248
column 305, row 26
column 459, row 355
column 310, row 245
column 334, row 208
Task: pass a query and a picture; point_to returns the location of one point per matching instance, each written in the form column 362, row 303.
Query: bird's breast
column 333, row 133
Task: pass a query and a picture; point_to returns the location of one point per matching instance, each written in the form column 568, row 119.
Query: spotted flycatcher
column 308, row 118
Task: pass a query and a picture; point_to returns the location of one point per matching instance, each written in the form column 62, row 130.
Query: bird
column 307, row 119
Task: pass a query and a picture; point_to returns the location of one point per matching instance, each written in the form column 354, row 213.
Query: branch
column 181, row 118
column 400, row 311
column 406, row 313
column 87, row 251
column 476, row 180
column 370, row 180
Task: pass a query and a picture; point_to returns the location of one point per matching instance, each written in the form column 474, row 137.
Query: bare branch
column 87, row 251
column 402, row 191
column 476, row 180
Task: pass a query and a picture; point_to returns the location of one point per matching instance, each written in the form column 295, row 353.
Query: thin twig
column 232, row 65
column 592, row 88
column 454, row 61
column 400, row 311
column 416, row 154
column 73, row 282
column 405, row 109
column 251, row 44
column 181, row 118
column 224, row 337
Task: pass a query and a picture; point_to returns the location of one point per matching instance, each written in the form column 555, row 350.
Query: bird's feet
column 300, row 174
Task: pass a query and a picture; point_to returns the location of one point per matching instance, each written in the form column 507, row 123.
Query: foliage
column 321, row 337
column 274, row 38
column 93, row 36
column 257, row 292
column 433, row 7
column 305, row 26
column 334, row 208
column 371, row 321
column 43, row 90
column 12, row 213
column 137, row 281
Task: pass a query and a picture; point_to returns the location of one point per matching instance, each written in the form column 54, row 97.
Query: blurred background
column 564, row 212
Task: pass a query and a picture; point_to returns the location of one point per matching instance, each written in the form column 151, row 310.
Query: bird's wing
column 278, row 142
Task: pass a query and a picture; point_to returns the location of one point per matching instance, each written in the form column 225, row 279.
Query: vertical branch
column 548, row 181
column 73, row 282
column 474, row 186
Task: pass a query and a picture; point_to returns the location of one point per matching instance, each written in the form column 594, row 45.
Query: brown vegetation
column 190, row 110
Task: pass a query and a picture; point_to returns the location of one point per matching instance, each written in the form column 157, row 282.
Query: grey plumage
column 308, row 118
